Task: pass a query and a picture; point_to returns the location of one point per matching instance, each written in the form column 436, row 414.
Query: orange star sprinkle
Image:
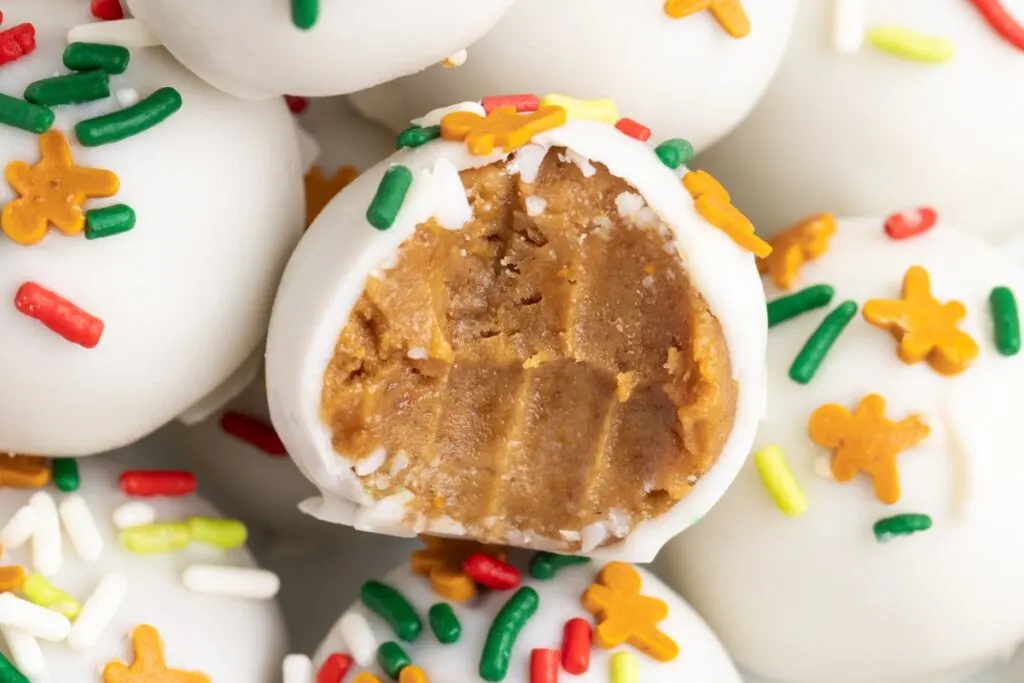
column 503, row 127
column 24, row 471
column 52, row 191
column 728, row 13
column 149, row 666
column 713, row 203
column 442, row 562
column 925, row 328
column 320, row 189
column 866, row 441
column 625, row 616
column 795, row 246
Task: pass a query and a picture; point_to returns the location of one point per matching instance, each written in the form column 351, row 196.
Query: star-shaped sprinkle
column 24, row 471
column 728, row 13
column 149, row 665
column 795, row 246
column 320, row 189
column 504, row 127
column 713, row 203
column 52, row 191
column 925, row 328
column 866, row 441
column 625, row 616
column 442, row 562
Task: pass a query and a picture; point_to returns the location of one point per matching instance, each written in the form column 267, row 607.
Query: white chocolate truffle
column 254, row 48
column 865, row 132
column 816, row 597
column 184, row 296
column 685, row 77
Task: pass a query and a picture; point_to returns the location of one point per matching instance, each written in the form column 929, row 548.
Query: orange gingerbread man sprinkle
column 795, row 246
column 442, row 562
column 713, row 203
column 625, row 616
column 728, row 13
column 52, row 191
column 321, row 189
column 503, row 127
column 925, row 328
column 24, row 471
column 149, row 666
column 866, row 441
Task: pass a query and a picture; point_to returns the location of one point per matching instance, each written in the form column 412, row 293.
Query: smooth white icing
column 185, row 295
column 252, row 49
column 328, row 270
column 816, row 598
column 680, row 77
column 868, row 133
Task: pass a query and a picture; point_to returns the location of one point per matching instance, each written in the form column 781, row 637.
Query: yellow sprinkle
column 220, row 533
column 778, row 479
column 595, row 110
column 43, row 593
column 907, row 44
column 624, row 668
column 365, row 677
column 151, row 539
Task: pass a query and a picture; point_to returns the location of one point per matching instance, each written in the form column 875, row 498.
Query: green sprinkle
column 305, row 13
column 393, row 608
column 24, row 116
column 220, row 533
column 130, row 121
column 444, row 623
column 901, row 525
column 65, row 474
column 112, row 59
column 821, row 340
column 108, row 221
column 9, row 674
column 70, row 89
column 545, row 565
column 153, row 539
column 1006, row 320
column 390, row 194
column 43, row 593
column 417, row 136
column 504, row 630
column 787, row 307
column 392, row 658
column 675, row 152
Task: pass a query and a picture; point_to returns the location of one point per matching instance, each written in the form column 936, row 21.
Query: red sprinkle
column 1000, row 19
column 107, row 10
column 634, row 129
column 59, row 315
column 334, row 669
column 576, row 646
column 150, row 483
column 522, row 103
column 543, row 666
column 296, row 104
column 491, row 572
column 254, row 432
column 900, row 226
column 16, row 42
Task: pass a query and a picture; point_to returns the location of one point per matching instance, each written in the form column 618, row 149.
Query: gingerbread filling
column 544, row 368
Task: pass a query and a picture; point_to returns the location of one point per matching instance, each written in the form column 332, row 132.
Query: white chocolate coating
column 184, row 296
column 701, row 657
column 231, row 640
column 870, row 133
column 252, row 49
column 816, row 598
column 680, row 77
column 327, row 273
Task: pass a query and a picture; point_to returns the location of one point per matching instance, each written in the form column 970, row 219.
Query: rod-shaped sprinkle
column 1005, row 320
column 81, row 528
column 545, row 565
column 43, row 593
column 38, row 622
column 305, row 13
column 444, row 623
column 113, row 59
column 98, row 611
column 108, row 221
column 788, row 307
column 390, row 196
column 820, row 342
column 220, row 533
column 76, row 88
column 393, row 608
column 64, row 472
column 778, row 479
column 392, row 659
column 133, row 120
column 901, row 525
column 154, row 539
column 505, row 628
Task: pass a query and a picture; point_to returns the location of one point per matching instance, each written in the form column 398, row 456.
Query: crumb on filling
column 543, row 369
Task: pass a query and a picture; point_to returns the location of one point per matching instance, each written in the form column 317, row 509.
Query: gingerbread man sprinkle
column 795, row 246
column 149, row 665
column 442, row 562
column 728, row 13
column 503, row 127
column 714, row 204
column 925, row 328
column 866, row 441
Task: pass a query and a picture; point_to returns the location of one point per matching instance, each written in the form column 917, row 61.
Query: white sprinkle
column 32, row 619
column 849, row 25
column 570, row 536
column 19, row 528
column 619, row 522
column 358, row 637
column 297, row 669
column 457, row 59
column 123, row 32
column 535, row 205
column 433, row 118
column 81, row 528
column 238, row 582
column 126, row 97
column 47, row 554
column 527, row 162
column 629, row 204
column 373, row 462
column 447, row 193
column 586, row 168
column 98, row 611
column 592, row 536
column 134, row 513
column 25, row 651
column 418, row 352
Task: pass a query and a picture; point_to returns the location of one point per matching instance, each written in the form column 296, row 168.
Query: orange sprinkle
column 52, row 191
column 728, row 13
column 702, row 183
column 442, row 562
column 625, row 616
column 412, row 674
column 149, row 666
column 320, row 190
column 924, row 328
column 503, row 127
column 866, row 441
column 11, row 578
column 366, row 677
column 24, row 471
column 714, row 205
column 795, row 246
